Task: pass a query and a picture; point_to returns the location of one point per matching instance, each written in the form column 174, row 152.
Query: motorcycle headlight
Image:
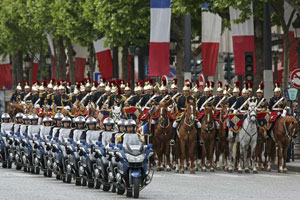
column 135, row 159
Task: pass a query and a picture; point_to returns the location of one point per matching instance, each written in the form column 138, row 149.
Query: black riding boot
column 152, row 129
column 270, row 129
column 174, row 134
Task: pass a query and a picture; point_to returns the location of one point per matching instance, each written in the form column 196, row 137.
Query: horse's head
column 209, row 114
column 252, row 110
column 223, row 112
column 163, row 114
column 190, row 113
column 116, row 112
column 292, row 126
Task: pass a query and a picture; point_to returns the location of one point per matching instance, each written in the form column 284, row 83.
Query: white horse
column 116, row 115
column 248, row 138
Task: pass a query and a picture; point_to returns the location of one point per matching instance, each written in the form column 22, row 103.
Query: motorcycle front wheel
column 136, row 187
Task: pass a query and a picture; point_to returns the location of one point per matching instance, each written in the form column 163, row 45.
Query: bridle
column 189, row 121
column 287, row 132
column 210, row 125
column 163, row 119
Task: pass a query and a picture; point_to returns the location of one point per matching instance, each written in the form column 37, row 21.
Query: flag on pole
column 35, row 67
column 104, row 59
column 211, row 35
column 5, row 73
column 243, row 40
column 80, row 61
column 50, row 42
column 159, row 50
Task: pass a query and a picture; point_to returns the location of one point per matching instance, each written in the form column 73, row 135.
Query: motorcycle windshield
column 132, row 144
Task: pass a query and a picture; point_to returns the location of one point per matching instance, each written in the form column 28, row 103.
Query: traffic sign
column 295, row 78
column 97, row 76
column 292, row 92
column 201, row 82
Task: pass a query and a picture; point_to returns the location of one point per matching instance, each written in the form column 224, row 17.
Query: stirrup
column 172, row 142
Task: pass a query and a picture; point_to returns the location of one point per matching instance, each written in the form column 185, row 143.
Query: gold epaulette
column 52, row 97
column 48, row 97
column 141, row 137
column 70, row 97
column 41, row 95
column 119, row 138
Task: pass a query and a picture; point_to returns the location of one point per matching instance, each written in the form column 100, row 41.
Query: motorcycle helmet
column 130, row 123
column 34, row 119
column 26, row 117
column 66, row 120
column 108, row 121
column 19, row 115
column 58, row 116
column 79, row 120
column 121, row 123
column 89, row 121
column 5, row 116
column 47, row 119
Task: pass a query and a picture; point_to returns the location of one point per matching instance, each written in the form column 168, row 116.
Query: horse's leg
column 286, row 147
column 230, row 157
column 168, row 159
column 253, row 147
column 177, row 155
column 203, row 166
column 218, row 149
column 182, row 147
column 192, row 156
column 211, row 154
column 247, row 158
column 242, row 158
column 280, row 169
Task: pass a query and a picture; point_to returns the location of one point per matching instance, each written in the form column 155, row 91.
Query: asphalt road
column 203, row 185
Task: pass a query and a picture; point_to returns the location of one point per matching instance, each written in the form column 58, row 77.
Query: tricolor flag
column 143, row 129
column 5, row 73
column 80, row 61
column 243, row 40
column 35, row 67
column 50, row 42
column 211, row 35
column 104, row 59
column 159, row 50
column 288, row 9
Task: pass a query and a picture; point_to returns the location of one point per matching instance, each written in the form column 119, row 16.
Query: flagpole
column 187, row 31
column 268, row 74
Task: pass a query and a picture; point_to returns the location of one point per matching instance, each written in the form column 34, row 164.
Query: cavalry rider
column 116, row 98
column 138, row 89
column 144, row 101
column 241, row 104
column 174, row 90
column 105, row 98
column 17, row 96
column 26, row 90
column 277, row 105
column 235, row 94
column 62, row 100
column 75, row 93
column 50, row 92
column 206, row 99
column 131, row 99
column 262, row 103
column 100, row 90
column 196, row 91
column 218, row 101
column 34, row 96
column 90, row 96
column 181, row 105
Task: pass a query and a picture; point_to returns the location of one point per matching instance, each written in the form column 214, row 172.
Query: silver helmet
column 108, row 121
column 5, row 116
column 26, row 117
column 58, row 116
column 91, row 120
column 80, row 119
column 121, row 122
column 19, row 115
column 33, row 117
column 47, row 119
column 66, row 119
column 130, row 122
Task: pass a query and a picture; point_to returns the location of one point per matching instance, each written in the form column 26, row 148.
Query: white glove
column 235, row 112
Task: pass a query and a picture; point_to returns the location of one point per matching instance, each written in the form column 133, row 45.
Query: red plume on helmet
column 237, row 84
column 261, row 85
column 96, row 83
column 212, row 84
column 175, row 80
column 220, row 84
column 277, row 84
column 141, row 83
column 164, row 80
column 207, row 84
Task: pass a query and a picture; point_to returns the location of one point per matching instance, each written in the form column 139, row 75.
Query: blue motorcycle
column 133, row 171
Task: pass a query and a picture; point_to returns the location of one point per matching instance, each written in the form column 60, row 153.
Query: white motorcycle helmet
column 47, row 119
column 67, row 119
column 5, row 116
column 132, row 123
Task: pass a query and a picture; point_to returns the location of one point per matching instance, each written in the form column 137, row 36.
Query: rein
column 160, row 122
column 251, row 136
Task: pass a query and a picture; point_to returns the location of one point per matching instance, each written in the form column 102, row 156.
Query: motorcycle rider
column 18, row 122
column 130, row 126
column 6, row 127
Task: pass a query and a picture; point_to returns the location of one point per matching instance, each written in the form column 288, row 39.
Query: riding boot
column 152, row 129
column 172, row 142
column 199, row 136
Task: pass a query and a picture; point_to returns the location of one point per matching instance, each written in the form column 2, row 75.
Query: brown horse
column 14, row 108
column 284, row 131
column 187, row 135
column 260, row 146
column 222, row 148
column 163, row 136
column 208, row 136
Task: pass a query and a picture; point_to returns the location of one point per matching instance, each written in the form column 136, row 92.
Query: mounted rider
column 241, row 105
column 277, row 105
column 17, row 96
column 181, row 105
column 235, row 95
column 262, row 103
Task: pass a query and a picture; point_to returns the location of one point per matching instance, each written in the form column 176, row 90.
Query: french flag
column 50, row 43
column 159, row 49
column 211, row 35
column 143, row 129
column 80, row 61
column 5, row 73
column 243, row 40
column 35, row 68
column 104, row 59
